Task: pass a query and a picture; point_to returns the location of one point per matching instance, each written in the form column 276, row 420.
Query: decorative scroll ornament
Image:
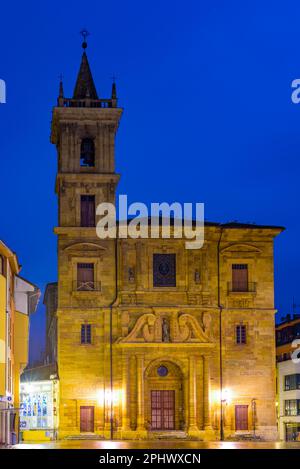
column 179, row 328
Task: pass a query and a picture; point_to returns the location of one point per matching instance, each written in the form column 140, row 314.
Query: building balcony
column 236, row 287
column 79, row 285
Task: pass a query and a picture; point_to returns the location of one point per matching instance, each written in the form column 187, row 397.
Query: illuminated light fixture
column 28, row 388
column 107, row 398
column 226, row 395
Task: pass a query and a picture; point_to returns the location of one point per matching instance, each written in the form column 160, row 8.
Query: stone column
column 125, row 394
column 192, row 427
column 186, row 402
column 206, row 392
column 140, row 395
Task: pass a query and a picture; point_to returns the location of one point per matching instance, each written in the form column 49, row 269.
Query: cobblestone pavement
column 151, row 444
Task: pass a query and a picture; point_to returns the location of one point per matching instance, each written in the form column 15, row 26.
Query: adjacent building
column 154, row 340
column 39, row 396
column 18, row 299
column 288, row 377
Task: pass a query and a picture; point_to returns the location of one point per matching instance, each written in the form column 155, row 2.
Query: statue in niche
column 165, row 330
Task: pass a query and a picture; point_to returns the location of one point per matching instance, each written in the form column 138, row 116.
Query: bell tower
column 83, row 130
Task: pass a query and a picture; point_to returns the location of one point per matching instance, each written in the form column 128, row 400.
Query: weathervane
column 84, row 33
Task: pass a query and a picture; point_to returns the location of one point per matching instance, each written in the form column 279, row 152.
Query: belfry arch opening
column 87, row 153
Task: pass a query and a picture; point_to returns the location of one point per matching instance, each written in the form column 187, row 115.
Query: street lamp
column 225, row 399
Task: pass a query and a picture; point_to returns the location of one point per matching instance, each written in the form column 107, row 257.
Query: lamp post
column 225, row 395
column 253, row 407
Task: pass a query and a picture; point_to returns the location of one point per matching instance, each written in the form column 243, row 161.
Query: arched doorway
column 164, row 396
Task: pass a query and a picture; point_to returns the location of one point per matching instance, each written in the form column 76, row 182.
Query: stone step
column 168, row 435
column 83, row 436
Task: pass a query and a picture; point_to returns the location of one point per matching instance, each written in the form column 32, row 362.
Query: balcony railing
column 79, row 285
column 241, row 287
column 96, row 103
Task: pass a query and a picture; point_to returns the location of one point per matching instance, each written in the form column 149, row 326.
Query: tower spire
column 61, row 87
column 85, row 86
column 60, row 99
column 113, row 88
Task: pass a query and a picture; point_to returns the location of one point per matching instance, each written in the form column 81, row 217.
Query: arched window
column 87, row 153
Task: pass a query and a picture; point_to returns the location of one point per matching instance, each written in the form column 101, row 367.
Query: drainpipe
column 111, row 341
column 220, row 334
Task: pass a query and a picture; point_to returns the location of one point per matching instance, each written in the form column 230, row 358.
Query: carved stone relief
column 177, row 328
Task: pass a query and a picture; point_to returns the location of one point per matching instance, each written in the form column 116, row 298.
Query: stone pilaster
column 140, row 397
column 193, row 429
column 125, row 394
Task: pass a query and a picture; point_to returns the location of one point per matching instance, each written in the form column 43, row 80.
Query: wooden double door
column 86, row 419
column 163, row 410
column 241, row 417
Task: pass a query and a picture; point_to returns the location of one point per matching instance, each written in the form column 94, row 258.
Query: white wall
column 286, row 368
column 21, row 298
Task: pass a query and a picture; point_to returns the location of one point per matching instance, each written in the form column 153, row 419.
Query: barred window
column 164, row 270
column 85, row 276
column 86, row 334
column 241, row 337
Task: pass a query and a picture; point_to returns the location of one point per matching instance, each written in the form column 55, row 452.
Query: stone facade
column 188, row 330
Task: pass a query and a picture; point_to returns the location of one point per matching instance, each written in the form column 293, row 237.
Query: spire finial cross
column 84, row 33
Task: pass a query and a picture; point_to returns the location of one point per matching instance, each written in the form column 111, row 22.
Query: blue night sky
column 206, row 88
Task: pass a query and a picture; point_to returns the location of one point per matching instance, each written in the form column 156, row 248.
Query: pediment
column 241, row 247
column 84, row 246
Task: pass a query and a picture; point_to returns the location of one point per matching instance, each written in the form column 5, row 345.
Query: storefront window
column 292, row 432
column 36, row 405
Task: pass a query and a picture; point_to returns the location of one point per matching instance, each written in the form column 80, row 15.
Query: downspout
column 111, row 342
column 220, row 334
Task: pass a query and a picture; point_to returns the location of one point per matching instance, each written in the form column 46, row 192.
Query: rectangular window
column 86, row 334
column 292, row 382
column 164, row 270
column 85, row 277
column 9, row 330
column 292, row 407
column 1, row 265
column 240, row 334
column 87, row 210
column 240, row 277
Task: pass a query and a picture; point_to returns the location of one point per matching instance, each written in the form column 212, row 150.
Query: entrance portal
column 164, row 394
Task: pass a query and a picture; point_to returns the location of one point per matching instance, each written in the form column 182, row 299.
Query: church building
column 153, row 340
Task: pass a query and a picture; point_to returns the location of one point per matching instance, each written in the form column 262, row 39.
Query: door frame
column 93, row 418
column 245, row 407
